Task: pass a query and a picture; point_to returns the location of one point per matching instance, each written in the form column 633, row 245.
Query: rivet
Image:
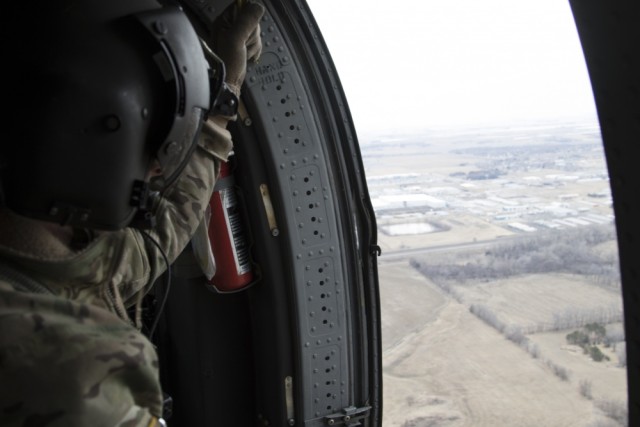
column 111, row 123
column 160, row 27
column 172, row 148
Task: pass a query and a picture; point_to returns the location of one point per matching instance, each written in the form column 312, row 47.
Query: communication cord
column 163, row 301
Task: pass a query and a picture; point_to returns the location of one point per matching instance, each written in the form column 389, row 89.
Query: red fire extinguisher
column 227, row 237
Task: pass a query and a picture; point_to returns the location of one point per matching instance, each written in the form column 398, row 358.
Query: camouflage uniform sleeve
column 67, row 363
column 179, row 213
column 66, row 355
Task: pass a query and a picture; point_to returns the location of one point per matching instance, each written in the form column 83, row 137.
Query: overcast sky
column 408, row 64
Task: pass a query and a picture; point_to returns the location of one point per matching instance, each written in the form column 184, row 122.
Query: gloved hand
column 237, row 40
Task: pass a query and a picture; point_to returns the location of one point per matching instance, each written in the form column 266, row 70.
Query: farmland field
column 449, row 368
column 512, row 249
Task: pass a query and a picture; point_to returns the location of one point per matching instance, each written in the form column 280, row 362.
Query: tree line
column 572, row 251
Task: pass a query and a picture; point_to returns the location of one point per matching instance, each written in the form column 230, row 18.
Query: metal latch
column 350, row 416
column 375, row 249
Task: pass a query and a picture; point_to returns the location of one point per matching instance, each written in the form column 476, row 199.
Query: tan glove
column 236, row 40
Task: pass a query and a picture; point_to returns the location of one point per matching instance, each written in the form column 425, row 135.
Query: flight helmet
column 97, row 91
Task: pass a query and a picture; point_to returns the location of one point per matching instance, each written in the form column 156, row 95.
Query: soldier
column 109, row 104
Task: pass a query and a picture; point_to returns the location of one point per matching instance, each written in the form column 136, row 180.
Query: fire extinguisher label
column 235, row 229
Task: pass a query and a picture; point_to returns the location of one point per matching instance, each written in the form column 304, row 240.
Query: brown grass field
column 445, row 367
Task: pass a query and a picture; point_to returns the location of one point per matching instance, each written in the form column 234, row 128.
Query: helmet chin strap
column 141, row 199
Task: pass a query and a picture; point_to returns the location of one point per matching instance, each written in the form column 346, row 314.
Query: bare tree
column 586, row 389
column 614, row 409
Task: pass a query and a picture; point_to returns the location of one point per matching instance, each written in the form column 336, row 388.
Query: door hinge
column 350, row 416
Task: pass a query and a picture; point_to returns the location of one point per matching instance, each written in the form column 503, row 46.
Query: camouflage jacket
column 69, row 356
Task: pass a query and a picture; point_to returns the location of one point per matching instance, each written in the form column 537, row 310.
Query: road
column 408, row 253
